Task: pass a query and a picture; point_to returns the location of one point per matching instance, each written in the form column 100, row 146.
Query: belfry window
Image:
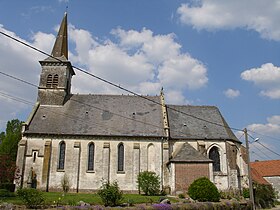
column 61, row 159
column 49, row 81
column 91, row 157
column 120, row 157
column 215, row 156
column 55, row 81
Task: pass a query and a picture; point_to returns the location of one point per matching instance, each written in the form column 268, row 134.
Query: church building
column 95, row 137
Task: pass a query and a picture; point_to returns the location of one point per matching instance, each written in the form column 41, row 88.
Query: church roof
column 101, row 115
column 184, row 126
column 189, row 154
column 60, row 48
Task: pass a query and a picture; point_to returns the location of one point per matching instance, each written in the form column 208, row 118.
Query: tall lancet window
column 120, row 157
column 49, row 81
column 91, row 157
column 55, row 81
column 215, row 156
column 61, row 159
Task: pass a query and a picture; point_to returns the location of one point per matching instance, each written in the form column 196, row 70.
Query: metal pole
column 249, row 169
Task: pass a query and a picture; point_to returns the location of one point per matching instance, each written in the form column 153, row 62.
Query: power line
column 271, row 137
column 268, row 149
column 5, row 95
column 73, row 117
column 77, row 101
column 260, row 151
column 257, row 140
column 117, row 86
column 86, row 104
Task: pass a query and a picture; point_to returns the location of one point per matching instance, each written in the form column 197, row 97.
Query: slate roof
column 100, row 115
column 267, row 168
column 183, row 126
column 188, row 154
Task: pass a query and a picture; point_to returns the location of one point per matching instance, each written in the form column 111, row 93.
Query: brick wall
column 186, row 173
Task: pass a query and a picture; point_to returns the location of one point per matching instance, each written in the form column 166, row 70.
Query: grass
column 57, row 198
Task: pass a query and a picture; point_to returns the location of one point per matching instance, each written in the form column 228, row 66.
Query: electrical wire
column 268, row 149
column 264, row 135
column 257, row 141
column 263, row 153
column 117, row 86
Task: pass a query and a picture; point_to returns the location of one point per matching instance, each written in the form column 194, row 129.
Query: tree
column 10, row 139
column 149, row 182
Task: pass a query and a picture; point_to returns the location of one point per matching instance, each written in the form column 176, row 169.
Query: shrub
column 246, row 193
column 65, row 183
column 181, row 195
column 264, row 195
column 149, row 182
column 202, row 189
column 31, row 197
column 6, row 193
column 8, row 186
column 110, row 193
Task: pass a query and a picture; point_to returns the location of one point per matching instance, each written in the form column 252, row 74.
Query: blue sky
column 215, row 52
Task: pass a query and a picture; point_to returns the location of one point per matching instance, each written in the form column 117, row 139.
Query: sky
column 202, row 52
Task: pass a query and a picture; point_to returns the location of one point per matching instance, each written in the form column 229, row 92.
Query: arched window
column 49, row 81
column 61, row 159
column 55, row 81
column 91, row 156
column 215, row 156
column 120, row 157
column 151, row 157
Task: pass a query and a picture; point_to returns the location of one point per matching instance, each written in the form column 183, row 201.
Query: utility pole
column 249, row 169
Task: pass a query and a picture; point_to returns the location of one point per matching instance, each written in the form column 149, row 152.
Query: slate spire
column 60, row 47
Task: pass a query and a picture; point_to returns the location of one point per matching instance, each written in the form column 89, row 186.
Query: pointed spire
column 60, row 47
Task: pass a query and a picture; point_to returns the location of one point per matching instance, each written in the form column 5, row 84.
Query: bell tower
column 57, row 71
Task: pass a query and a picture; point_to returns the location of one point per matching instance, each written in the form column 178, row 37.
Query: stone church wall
column 139, row 155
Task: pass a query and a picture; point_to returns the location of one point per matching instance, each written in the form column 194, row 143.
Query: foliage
column 31, row 197
column 181, row 195
column 246, row 193
column 149, row 182
column 110, row 193
column 264, row 195
column 6, row 193
column 7, row 169
column 8, row 186
column 202, row 189
column 230, row 194
column 10, row 139
column 65, row 183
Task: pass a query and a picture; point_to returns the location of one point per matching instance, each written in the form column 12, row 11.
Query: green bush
column 264, row 195
column 149, row 182
column 8, row 186
column 202, row 189
column 31, row 197
column 246, row 193
column 6, row 193
column 110, row 193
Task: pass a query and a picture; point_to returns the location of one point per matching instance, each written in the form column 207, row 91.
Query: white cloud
column 22, row 62
column 257, row 15
column 268, row 134
column 230, row 93
column 266, row 77
column 137, row 62
column 271, row 128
